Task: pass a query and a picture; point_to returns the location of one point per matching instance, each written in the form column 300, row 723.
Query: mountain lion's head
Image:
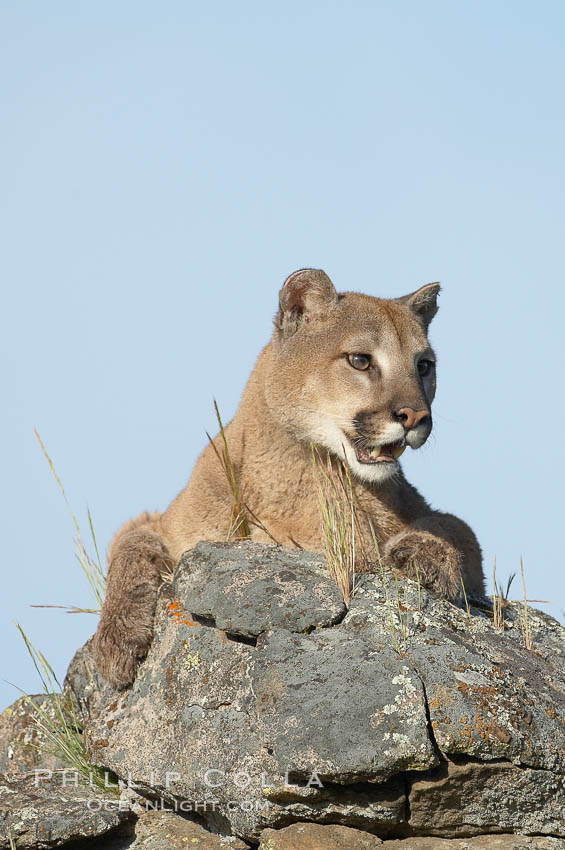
column 353, row 373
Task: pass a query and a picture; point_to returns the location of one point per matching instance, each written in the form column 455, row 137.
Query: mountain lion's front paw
column 428, row 559
column 116, row 660
column 124, row 635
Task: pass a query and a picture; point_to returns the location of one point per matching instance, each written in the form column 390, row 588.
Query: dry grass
column 419, row 585
column 60, row 726
column 61, row 729
column 467, row 606
column 338, row 520
column 403, row 610
column 91, row 566
column 500, row 599
column 526, row 633
column 239, row 524
column 242, row 517
column 498, row 602
column 388, row 602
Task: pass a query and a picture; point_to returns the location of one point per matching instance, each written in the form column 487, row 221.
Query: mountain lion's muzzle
column 375, row 443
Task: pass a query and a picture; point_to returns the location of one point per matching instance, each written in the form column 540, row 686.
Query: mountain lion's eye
column 425, row 367
column 359, row 361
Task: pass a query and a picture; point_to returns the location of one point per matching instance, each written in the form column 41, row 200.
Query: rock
column 313, row 836
column 243, row 715
column 488, row 697
column 334, row 718
column 262, row 704
column 48, row 814
column 487, row 797
column 318, row 837
column 281, row 588
column 157, row 830
column 23, row 746
column 484, row 842
column 85, row 686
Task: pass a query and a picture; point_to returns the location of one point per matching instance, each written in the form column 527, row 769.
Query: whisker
column 345, row 423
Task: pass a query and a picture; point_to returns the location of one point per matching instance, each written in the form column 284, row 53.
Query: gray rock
column 23, row 745
column 48, row 814
column 256, row 588
column 488, row 697
column 85, row 686
column 350, row 711
column 275, row 708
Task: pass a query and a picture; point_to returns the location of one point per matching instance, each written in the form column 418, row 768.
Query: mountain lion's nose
column 409, row 417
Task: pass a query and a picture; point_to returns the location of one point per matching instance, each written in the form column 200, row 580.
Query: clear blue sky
column 165, row 165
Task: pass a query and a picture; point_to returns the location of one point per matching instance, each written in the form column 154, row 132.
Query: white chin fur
column 332, row 438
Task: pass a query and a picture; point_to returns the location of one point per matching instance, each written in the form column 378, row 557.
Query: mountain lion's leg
column 137, row 562
column 441, row 552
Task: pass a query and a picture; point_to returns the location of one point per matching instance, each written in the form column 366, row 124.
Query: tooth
column 398, row 450
column 375, row 451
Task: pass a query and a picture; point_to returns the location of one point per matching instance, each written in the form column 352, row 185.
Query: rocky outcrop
column 264, row 702
column 267, row 714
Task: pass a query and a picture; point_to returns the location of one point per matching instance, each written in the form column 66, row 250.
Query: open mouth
column 380, row 454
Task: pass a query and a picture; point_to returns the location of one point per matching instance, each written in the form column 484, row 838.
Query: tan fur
column 303, row 390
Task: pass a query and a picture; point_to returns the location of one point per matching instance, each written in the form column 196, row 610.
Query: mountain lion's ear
column 305, row 294
column 423, row 302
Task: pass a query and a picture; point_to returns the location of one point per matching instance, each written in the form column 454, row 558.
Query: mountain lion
column 352, row 375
